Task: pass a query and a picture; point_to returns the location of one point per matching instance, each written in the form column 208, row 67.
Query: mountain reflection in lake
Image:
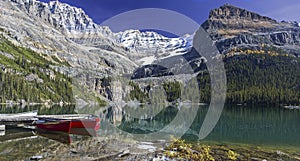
column 42, row 110
column 273, row 126
column 262, row 126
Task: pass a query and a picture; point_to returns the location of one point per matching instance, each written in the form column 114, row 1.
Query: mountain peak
column 228, row 11
column 60, row 15
column 63, row 7
column 229, row 17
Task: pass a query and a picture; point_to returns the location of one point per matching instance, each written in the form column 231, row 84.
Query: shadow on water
column 13, row 132
column 66, row 138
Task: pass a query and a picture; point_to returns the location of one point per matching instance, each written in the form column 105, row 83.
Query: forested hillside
column 258, row 79
column 26, row 76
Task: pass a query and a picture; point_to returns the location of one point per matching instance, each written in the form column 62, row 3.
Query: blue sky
column 100, row 10
column 198, row 10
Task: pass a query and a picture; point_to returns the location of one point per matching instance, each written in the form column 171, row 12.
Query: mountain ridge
column 228, row 11
column 80, row 28
column 65, row 34
column 231, row 27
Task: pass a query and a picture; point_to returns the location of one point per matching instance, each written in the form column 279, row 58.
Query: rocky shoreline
column 103, row 149
column 98, row 149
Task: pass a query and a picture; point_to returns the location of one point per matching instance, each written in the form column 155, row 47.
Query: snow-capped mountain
column 69, row 19
column 153, row 46
column 150, row 41
column 79, row 28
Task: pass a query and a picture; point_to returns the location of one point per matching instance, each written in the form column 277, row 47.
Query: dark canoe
column 57, row 125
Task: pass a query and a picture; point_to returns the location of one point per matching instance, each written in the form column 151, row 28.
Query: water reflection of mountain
column 42, row 109
column 238, row 124
column 258, row 125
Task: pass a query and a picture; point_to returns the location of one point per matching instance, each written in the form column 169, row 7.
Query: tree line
column 258, row 79
column 47, row 85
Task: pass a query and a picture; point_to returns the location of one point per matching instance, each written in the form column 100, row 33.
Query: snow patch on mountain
column 64, row 25
column 152, row 43
column 147, row 60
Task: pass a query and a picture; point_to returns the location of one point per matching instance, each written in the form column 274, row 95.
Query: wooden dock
column 23, row 117
column 70, row 116
column 16, row 121
column 30, row 119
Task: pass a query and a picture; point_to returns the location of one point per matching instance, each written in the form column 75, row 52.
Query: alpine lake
column 240, row 127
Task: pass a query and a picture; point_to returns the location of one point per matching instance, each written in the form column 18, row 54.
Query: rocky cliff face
column 230, row 27
column 231, row 17
column 233, row 29
column 285, row 39
column 56, row 28
column 59, row 15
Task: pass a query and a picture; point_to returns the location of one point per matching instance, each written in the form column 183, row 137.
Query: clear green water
column 252, row 126
column 272, row 126
column 269, row 126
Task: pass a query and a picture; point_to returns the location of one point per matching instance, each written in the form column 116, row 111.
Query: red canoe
column 88, row 123
column 65, row 124
column 59, row 125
